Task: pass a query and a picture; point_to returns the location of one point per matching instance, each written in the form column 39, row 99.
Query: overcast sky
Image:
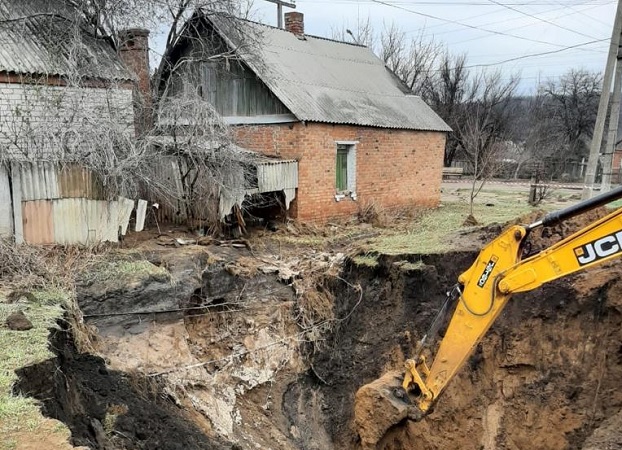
column 481, row 28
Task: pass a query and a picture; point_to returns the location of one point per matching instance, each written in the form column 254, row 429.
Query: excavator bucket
column 380, row 405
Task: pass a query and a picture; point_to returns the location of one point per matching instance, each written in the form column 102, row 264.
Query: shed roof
column 323, row 80
column 38, row 37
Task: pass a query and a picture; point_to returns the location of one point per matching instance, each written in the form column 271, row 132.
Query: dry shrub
column 29, row 267
column 54, row 269
column 21, row 267
column 304, row 228
column 370, row 212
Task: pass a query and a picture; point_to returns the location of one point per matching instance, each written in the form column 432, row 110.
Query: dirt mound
column 379, row 396
column 606, row 437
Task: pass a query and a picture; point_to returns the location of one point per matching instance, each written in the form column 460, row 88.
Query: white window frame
column 351, row 170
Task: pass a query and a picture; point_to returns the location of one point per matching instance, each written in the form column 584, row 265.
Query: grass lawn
column 429, row 233
column 23, row 348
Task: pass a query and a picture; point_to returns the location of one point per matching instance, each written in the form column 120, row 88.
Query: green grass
column 124, row 271
column 406, row 266
column 615, row 205
column 23, row 348
column 429, row 233
column 366, row 261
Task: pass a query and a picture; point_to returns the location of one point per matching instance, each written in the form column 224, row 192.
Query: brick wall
column 134, row 51
column 38, row 119
column 394, row 168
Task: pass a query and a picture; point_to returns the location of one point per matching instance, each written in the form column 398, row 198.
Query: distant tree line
column 496, row 130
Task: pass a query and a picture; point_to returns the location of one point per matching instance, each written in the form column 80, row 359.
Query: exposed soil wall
column 546, row 376
column 107, row 409
column 400, row 299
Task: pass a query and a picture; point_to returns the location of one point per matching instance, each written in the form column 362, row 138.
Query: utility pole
column 279, row 9
column 599, row 127
column 612, row 132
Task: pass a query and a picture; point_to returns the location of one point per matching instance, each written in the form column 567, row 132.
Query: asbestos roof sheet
column 41, row 37
column 207, row 144
column 322, row 80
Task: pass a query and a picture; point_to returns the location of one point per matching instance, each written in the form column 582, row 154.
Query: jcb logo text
column 487, row 271
column 599, row 249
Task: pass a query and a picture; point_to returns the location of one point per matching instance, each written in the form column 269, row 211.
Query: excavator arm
column 486, row 287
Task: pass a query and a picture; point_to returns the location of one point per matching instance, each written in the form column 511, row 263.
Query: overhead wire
column 586, row 15
column 456, row 3
column 532, row 55
column 540, row 19
column 505, row 61
column 511, row 19
column 500, row 33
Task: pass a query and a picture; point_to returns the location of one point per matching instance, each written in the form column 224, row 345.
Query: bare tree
column 92, row 128
column 447, row 90
column 571, row 104
column 411, row 59
column 211, row 170
column 484, row 125
column 361, row 33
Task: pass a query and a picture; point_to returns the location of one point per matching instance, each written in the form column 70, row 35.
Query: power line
column 582, row 12
column 511, row 8
column 533, row 55
column 381, row 2
column 455, row 3
column 511, row 19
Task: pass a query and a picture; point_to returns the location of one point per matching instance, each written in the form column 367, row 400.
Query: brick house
column 358, row 134
column 54, row 74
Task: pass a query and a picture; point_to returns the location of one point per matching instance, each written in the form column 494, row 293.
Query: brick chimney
column 134, row 51
column 295, row 23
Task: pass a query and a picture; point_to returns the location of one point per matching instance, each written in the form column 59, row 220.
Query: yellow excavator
column 479, row 297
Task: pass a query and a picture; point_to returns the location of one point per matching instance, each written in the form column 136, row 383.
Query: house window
column 345, row 170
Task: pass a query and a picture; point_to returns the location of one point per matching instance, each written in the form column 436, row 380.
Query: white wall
column 57, row 124
column 42, row 122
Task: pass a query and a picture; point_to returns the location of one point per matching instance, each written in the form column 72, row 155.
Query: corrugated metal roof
column 47, row 181
column 39, row 37
column 38, row 222
column 276, row 177
column 321, row 80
